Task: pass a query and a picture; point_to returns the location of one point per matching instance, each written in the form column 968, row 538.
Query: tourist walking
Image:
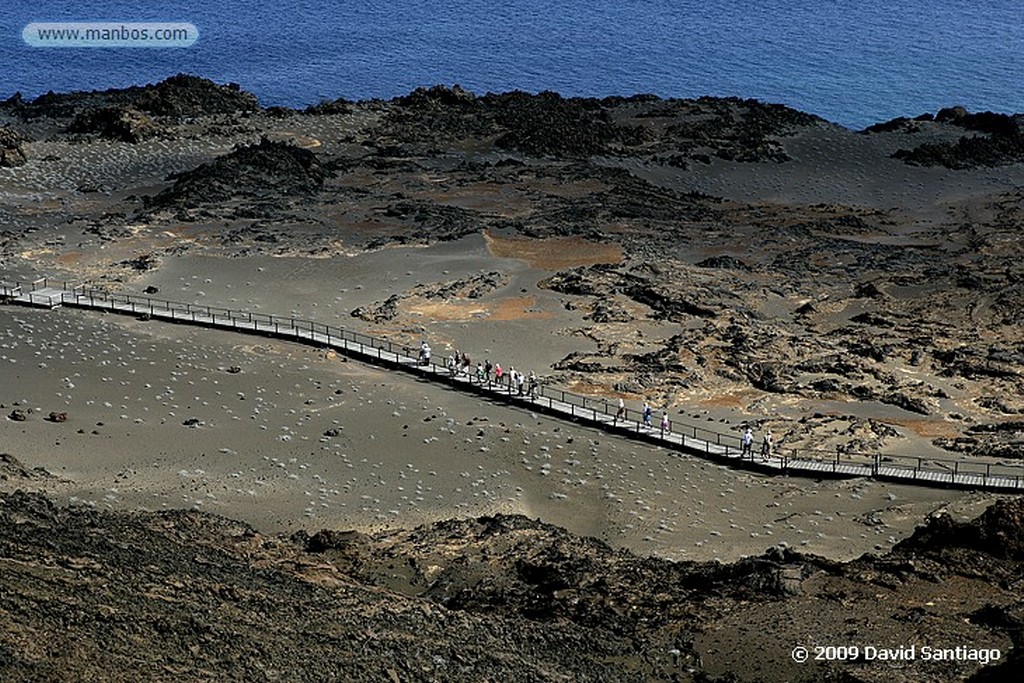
column 648, row 413
column 520, row 382
column 533, row 386
column 488, row 368
column 621, row 412
column 748, row 444
column 664, row 423
column 766, row 446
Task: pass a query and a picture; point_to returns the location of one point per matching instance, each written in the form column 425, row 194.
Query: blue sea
column 854, row 63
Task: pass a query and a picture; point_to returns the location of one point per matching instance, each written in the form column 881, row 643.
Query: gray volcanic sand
column 406, row 452
column 842, row 169
column 526, row 335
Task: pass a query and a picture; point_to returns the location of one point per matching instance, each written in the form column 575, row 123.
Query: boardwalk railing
column 598, row 411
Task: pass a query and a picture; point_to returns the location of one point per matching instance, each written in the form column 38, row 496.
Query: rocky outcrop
column 431, row 221
column 11, row 151
column 12, row 469
column 185, row 95
column 998, row 533
column 379, row 313
column 329, row 107
column 264, row 173
column 994, row 139
column 472, row 287
column 550, row 125
column 115, row 123
column 176, row 97
column 186, row 595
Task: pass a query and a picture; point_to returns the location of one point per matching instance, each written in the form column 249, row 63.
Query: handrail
column 680, row 433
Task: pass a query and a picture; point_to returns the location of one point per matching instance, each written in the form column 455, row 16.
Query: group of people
column 767, row 444
column 647, row 413
column 493, row 375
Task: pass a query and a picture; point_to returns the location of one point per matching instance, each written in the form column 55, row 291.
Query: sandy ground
column 405, row 452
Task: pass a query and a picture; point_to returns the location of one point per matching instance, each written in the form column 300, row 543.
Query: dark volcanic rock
column 11, row 152
column 727, row 262
column 667, row 305
column 177, row 96
column 191, row 596
column 996, row 139
column 185, row 95
column 733, row 129
column 993, row 439
column 998, row 532
column 914, row 404
column 439, row 97
column 899, row 124
column 142, row 264
column 379, row 313
column 770, row 376
column 327, row 107
column 115, row 123
column 472, row 287
column 664, row 360
column 178, row 596
column 430, row 220
column 608, row 311
column 12, row 469
column 605, row 280
column 547, row 124
column 265, row 172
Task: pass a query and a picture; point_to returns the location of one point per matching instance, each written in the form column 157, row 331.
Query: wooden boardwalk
column 683, row 437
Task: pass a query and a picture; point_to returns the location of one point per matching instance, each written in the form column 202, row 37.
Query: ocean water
column 854, row 63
